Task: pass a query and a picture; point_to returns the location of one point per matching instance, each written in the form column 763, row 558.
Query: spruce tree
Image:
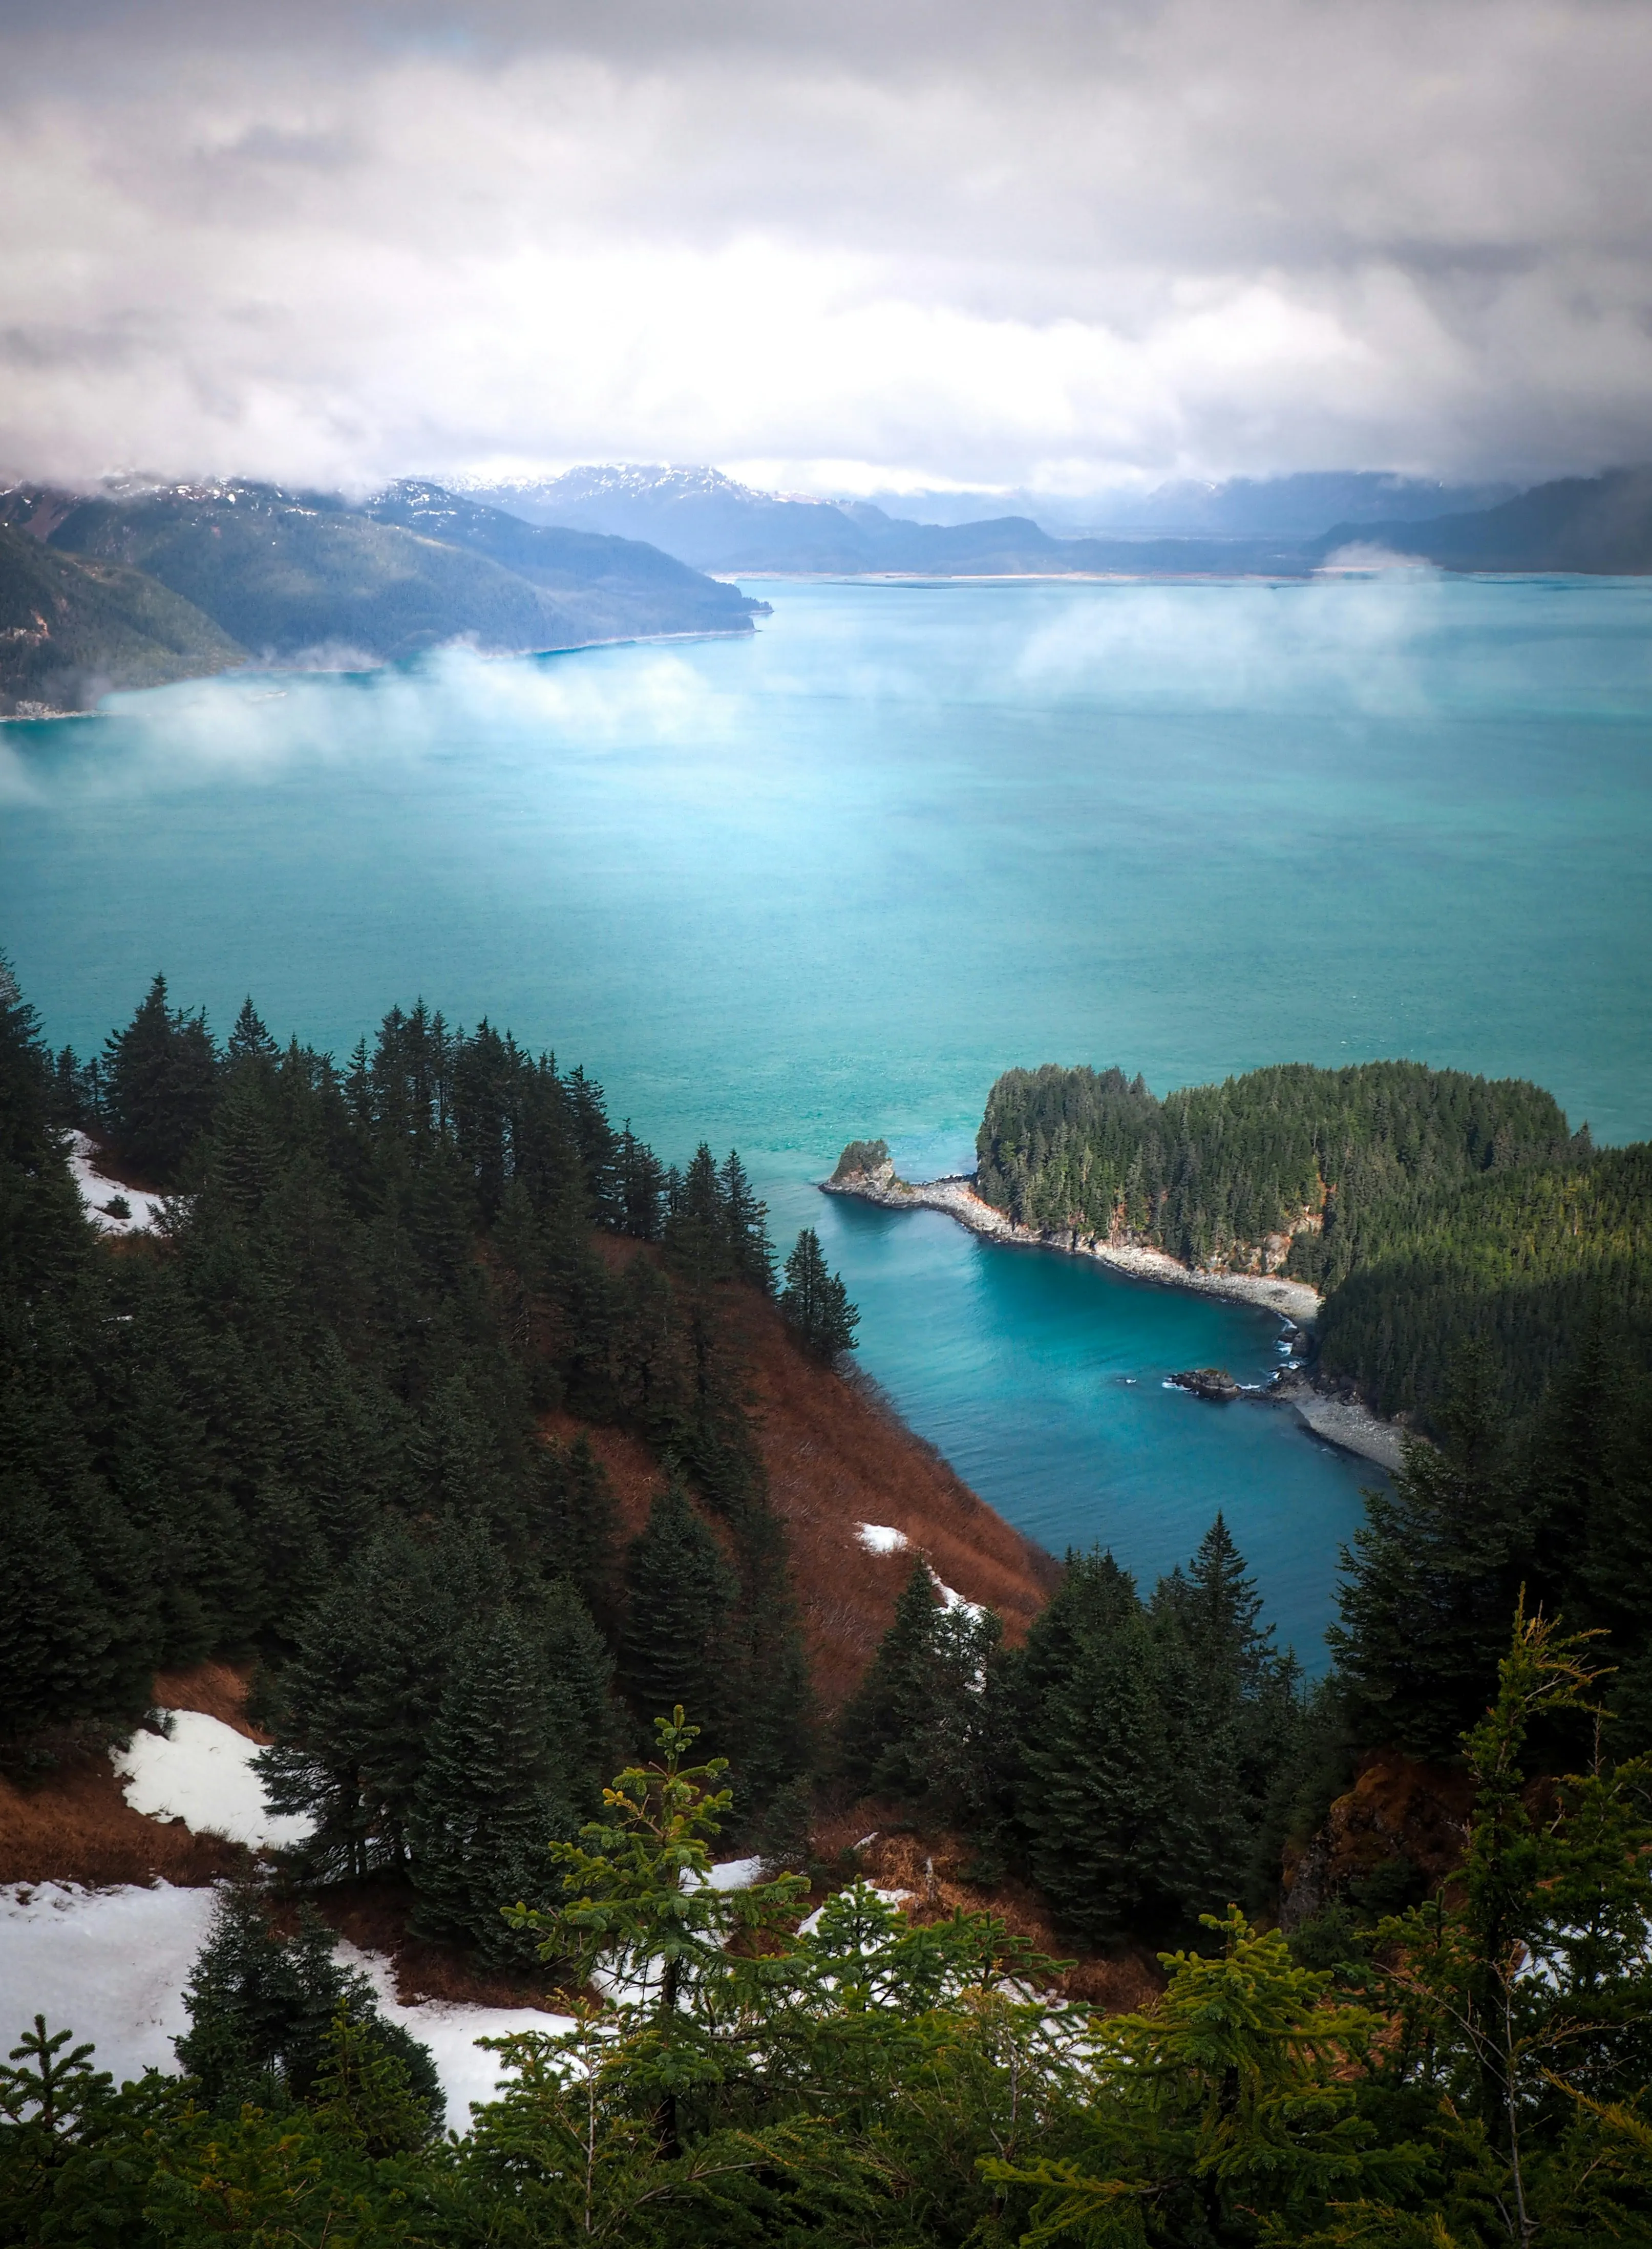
column 248, row 1040
column 494, row 1789
column 1432, row 1578
column 815, row 1302
column 579, row 1669
column 680, row 1598
column 361, row 1696
column 871, row 1724
column 1094, row 1799
column 160, row 1082
column 746, row 1226
column 261, row 2008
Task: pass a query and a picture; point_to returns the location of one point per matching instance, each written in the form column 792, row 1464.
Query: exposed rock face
column 1208, row 1382
column 871, row 1176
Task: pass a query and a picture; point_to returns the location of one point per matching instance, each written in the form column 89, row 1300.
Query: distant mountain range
column 130, row 588
column 1294, row 507
column 1284, row 526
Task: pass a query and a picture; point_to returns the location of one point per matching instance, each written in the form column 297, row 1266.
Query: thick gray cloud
column 1050, row 247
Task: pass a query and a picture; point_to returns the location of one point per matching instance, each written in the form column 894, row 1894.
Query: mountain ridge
column 710, row 520
column 213, row 573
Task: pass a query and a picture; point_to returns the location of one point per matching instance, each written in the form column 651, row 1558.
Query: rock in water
column 1208, row 1382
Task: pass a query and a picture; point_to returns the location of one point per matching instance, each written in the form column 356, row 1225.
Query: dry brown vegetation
column 73, row 1825
column 836, row 1456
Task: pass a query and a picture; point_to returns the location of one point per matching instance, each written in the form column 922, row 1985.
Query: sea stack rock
column 864, row 1164
column 1208, row 1382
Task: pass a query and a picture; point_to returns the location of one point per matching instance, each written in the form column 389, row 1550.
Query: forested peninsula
column 456, row 1442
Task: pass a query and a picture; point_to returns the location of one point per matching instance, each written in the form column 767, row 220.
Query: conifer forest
column 332, row 1421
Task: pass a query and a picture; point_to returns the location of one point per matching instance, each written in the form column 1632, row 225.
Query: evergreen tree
column 697, row 1229
column 160, row 1081
column 261, row 2008
column 494, row 1789
column 360, row 1697
column 746, row 1226
column 680, row 1598
column 1230, row 1713
column 1432, row 1576
column 248, row 1040
column 1096, row 1788
column 585, row 1720
column 870, row 1727
column 815, row 1302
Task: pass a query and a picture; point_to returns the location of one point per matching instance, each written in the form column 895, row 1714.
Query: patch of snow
column 884, row 1897
column 950, row 1599
column 97, row 1193
column 203, row 1774
column 451, row 2030
column 735, row 1874
column 880, row 1539
column 111, row 1966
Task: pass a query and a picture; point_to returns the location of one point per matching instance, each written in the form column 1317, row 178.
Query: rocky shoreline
column 1335, row 1418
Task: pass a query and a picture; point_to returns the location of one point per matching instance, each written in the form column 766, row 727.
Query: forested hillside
column 69, row 631
column 212, row 573
column 312, row 1422
column 305, row 1425
column 1434, row 1209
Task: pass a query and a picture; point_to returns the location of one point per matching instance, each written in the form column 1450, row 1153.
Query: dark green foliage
column 1517, row 1265
column 261, row 2007
column 1434, row 1573
column 1213, row 1170
column 815, row 1302
column 305, row 1424
column 160, row 1085
column 717, row 1229
column 1154, row 1741
column 493, row 1789
column 871, row 2080
column 1439, row 1212
column 928, row 1722
column 680, row 1595
column 862, row 1156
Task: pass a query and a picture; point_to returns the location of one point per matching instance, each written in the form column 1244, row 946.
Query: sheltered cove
column 1338, row 1419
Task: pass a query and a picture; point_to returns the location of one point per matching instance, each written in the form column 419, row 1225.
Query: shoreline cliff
column 1335, row 1418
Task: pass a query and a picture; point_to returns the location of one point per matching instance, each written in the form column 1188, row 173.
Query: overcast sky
column 826, row 245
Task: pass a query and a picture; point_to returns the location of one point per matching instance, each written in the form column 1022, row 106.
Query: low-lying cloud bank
column 1126, row 240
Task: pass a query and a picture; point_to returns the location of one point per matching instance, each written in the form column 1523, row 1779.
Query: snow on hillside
column 111, row 1966
column 201, row 1773
column 142, row 1211
column 880, row 1539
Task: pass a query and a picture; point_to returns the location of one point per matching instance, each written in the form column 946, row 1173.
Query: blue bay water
column 829, row 881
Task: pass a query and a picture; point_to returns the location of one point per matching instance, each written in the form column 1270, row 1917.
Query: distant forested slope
column 1435, row 1209
column 69, row 631
column 275, row 575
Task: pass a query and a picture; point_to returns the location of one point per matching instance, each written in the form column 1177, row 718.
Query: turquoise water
column 832, row 880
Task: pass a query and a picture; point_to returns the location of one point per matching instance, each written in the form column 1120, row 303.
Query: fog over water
column 829, row 881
